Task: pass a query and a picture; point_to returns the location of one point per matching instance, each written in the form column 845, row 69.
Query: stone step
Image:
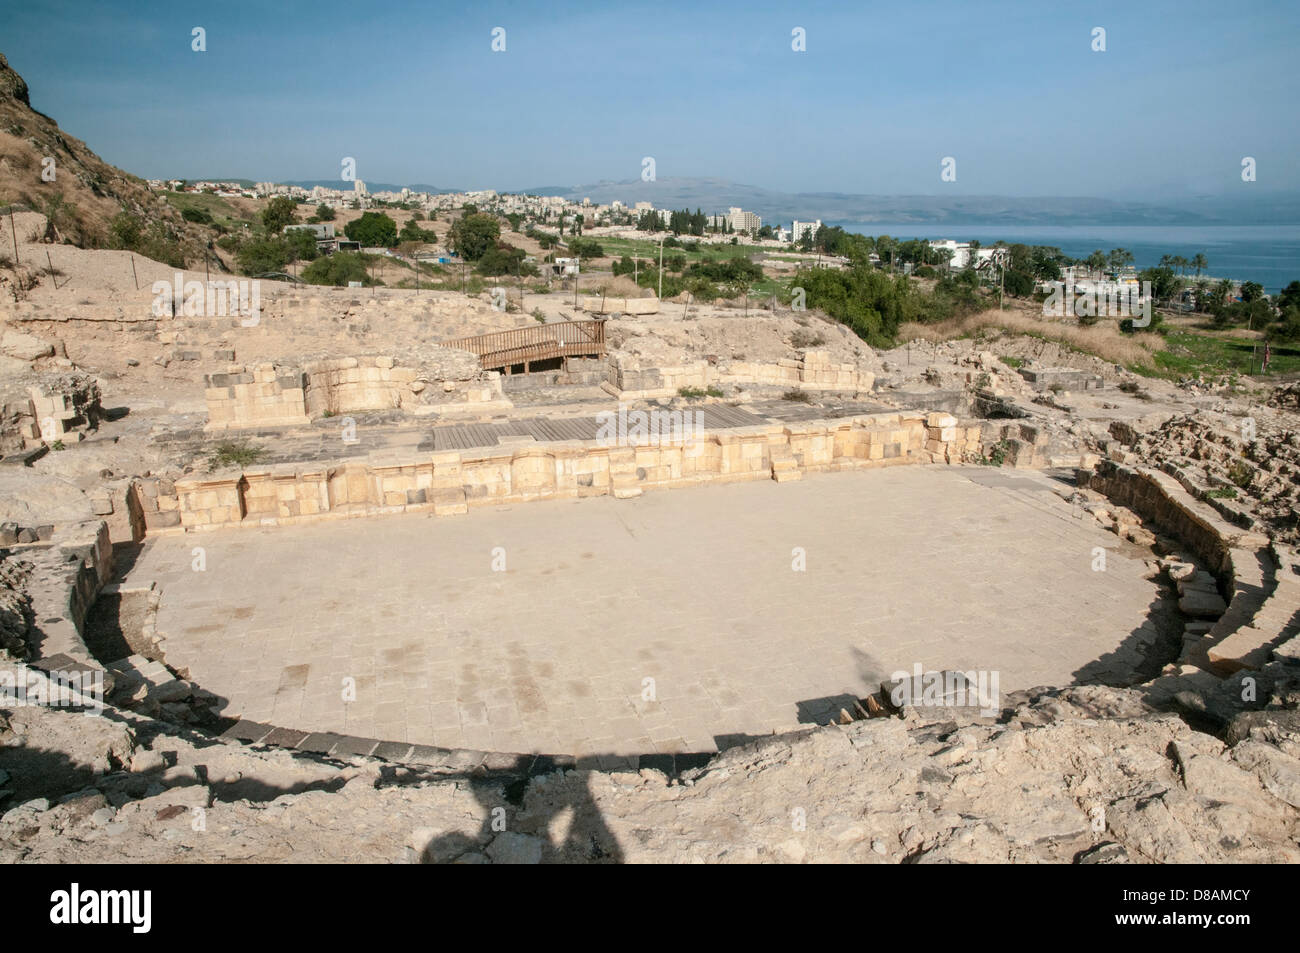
column 1248, row 647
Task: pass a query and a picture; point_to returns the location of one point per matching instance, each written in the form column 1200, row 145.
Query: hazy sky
column 583, row 91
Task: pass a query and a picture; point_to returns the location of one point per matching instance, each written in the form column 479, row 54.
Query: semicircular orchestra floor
column 675, row 622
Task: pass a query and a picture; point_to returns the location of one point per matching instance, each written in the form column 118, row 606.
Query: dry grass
column 1103, row 340
column 612, row 286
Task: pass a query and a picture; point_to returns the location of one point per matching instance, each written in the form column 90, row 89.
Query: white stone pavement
column 693, row 588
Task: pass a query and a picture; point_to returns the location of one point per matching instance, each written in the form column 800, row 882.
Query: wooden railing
column 541, row 343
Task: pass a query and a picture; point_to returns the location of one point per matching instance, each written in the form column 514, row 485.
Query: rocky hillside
column 87, row 193
column 1088, row 775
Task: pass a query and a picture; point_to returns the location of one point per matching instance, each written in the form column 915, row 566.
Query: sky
column 584, row 91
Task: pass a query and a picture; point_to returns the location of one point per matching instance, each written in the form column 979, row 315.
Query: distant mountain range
column 714, row 195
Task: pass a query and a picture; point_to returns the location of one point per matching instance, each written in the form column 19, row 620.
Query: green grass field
column 221, row 210
column 641, row 248
column 1189, row 353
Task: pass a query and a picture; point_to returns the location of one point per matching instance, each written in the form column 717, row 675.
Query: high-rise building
column 799, row 229
column 742, row 221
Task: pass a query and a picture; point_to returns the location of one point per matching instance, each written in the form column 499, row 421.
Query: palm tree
column 1181, row 264
column 1199, row 263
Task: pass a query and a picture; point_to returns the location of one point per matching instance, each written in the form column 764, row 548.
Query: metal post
column 134, row 275
column 14, row 228
column 661, row 268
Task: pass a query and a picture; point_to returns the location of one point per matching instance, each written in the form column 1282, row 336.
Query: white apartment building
column 742, row 221
column 800, row 229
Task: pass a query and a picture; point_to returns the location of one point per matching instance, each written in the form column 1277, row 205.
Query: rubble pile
column 1252, row 462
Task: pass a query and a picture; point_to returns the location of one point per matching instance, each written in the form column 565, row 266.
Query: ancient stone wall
column 449, row 482
column 1257, row 580
column 59, row 408
column 280, row 395
column 813, row 370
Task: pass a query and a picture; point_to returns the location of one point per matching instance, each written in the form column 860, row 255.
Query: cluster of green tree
column 1287, row 325
column 625, row 265
column 585, row 248
column 1182, row 265
column 1164, row 283
column 727, row 270
column 155, row 240
column 545, row 239
column 372, row 230
column 279, row 212
column 503, row 259
column 874, row 305
column 199, row 216
column 412, row 232
column 273, row 253
column 324, row 213
column 1279, row 320
column 680, row 222
column 1027, row 265
column 338, row 270
column 701, row 288
column 473, row 235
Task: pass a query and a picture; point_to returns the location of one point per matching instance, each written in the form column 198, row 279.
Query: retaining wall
column 446, row 483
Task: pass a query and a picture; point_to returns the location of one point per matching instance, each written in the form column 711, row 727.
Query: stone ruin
column 293, row 395
column 59, row 407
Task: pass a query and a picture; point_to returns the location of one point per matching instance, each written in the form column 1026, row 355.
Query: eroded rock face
column 1086, row 774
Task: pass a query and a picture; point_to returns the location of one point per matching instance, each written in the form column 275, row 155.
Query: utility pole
column 661, row 266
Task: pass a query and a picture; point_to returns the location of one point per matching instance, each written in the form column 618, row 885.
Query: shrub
column 372, row 229
column 337, row 270
column 797, row 395
column 474, row 235
column 263, row 256
column 585, row 248
column 802, row 339
column 1241, row 473
column 234, row 453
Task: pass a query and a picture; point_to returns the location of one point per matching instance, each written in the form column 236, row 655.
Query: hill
column 87, row 197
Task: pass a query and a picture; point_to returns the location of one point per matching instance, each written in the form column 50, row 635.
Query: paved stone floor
column 967, row 568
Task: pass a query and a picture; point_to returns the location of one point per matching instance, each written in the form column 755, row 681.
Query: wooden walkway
column 544, row 342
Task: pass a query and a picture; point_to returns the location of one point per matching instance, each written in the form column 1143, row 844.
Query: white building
column 742, row 221
column 800, row 229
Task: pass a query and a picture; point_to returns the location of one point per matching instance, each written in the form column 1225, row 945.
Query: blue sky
column 884, row 91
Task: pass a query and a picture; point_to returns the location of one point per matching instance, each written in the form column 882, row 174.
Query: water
column 1268, row 254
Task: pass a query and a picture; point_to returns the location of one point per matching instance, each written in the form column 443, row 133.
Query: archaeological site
column 435, row 563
